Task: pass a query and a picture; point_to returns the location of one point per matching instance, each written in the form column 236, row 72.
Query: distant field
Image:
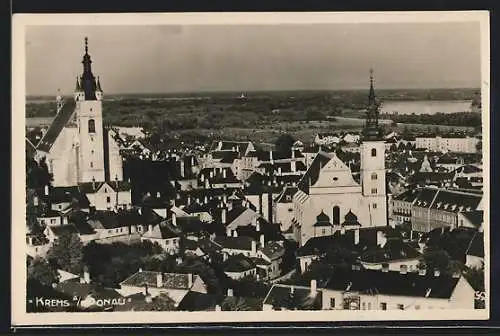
column 38, row 121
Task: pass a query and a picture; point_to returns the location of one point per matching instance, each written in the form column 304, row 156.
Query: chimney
column 293, row 154
column 46, row 189
column 254, row 247
column 86, row 275
column 202, row 178
column 235, row 233
column 150, row 227
column 224, row 173
column 456, row 275
column 188, row 200
column 206, row 199
column 230, row 292
column 356, row 236
column 140, row 269
column 257, row 225
column 342, row 230
column 403, row 269
column 211, row 174
column 381, row 239
column 385, row 267
column 190, row 280
column 292, row 289
column 228, row 232
column 437, row 273
column 174, row 219
column 293, row 166
column 207, row 184
column 224, row 216
column 159, row 280
column 313, row 288
column 158, row 195
column 279, row 171
column 262, row 240
column 181, row 162
column 422, row 271
column 35, row 201
column 217, row 308
column 65, row 220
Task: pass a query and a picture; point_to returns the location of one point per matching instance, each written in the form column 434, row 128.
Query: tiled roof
column 235, row 243
column 280, row 296
column 273, row 250
column 59, row 122
column 238, row 263
column 64, row 229
column 161, row 231
column 194, row 301
column 476, row 246
column 286, row 196
column 453, row 201
column 475, row 217
column 169, row 280
column 392, row 283
column 394, row 249
column 190, row 224
column 407, row 196
column 312, row 174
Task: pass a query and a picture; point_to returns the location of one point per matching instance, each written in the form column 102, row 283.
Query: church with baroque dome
column 330, row 199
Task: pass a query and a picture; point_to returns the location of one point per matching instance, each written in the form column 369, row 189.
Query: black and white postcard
column 237, row 167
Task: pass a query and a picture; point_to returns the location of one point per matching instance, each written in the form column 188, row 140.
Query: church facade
column 328, row 187
column 77, row 147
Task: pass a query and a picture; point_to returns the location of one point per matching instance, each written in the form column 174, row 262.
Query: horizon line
column 262, row 91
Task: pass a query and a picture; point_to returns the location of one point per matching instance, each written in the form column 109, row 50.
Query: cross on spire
column 372, row 130
column 86, row 45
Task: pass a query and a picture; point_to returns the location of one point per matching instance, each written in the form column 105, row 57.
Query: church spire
column 372, row 131
column 87, row 82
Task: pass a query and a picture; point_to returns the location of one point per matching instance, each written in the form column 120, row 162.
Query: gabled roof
column 238, row 263
column 161, row 231
column 59, row 122
column 408, row 196
column 286, row 196
column 312, row 174
column 149, row 278
column 293, row 297
column 475, row 217
column 195, row 301
column 235, row 243
column 273, row 250
column 392, row 283
column 454, row 201
column 63, row 229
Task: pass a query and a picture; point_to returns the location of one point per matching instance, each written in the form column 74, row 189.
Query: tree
column 440, row 260
column 40, row 270
column 67, row 253
column 284, row 143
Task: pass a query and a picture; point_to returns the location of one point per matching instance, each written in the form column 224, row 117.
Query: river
column 426, row 106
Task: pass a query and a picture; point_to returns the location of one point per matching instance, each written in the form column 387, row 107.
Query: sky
column 189, row 58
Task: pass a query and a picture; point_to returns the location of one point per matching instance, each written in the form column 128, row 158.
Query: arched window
column 336, row 215
column 91, row 126
column 374, row 152
column 374, row 176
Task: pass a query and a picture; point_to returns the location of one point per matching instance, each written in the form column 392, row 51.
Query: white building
column 328, row 185
column 448, row 144
column 77, row 146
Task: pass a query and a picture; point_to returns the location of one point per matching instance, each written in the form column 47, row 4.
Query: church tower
column 89, row 145
column 373, row 163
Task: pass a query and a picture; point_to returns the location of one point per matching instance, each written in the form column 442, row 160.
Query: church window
column 336, row 215
column 374, row 205
column 374, row 176
column 374, row 190
column 374, row 152
column 91, row 126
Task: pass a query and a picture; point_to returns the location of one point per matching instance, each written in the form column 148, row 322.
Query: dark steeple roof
column 372, row 131
column 87, row 80
column 322, row 217
column 350, row 219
